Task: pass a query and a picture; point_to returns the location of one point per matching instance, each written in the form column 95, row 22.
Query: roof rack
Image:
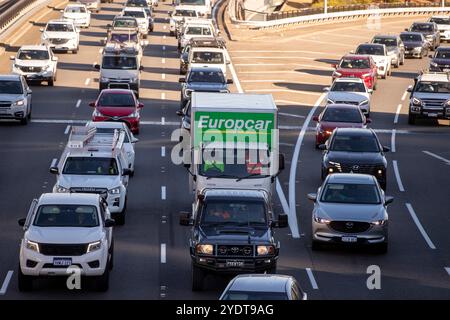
column 119, row 48
column 427, row 71
column 88, row 138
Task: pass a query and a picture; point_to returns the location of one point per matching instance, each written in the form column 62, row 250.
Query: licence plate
column 62, row 262
column 432, row 115
column 235, row 264
column 4, row 111
column 349, row 239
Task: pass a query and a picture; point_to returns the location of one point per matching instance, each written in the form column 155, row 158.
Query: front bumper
column 374, row 235
column 32, row 76
column 420, row 112
column 132, row 122
column 218, row 265
column 413, row 53
column 13, row 112
column 70, row 45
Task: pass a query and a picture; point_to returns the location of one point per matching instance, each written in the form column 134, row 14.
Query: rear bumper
column 218, row 265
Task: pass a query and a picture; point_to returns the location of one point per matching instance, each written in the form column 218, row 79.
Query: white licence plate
column 62, row 262
column 349, row 239
column 432, row 115
column 235, row 264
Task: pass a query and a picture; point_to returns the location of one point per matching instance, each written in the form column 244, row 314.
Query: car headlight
column 364, row 102
column 34, row 246
column 447, row 103
column 417, row 101
column 329, row 101
column 379, row 222
column 16, row 66
column 321, row 220
column 44, row 36
column 94, row 246
column 265, row 250
column 134, row 114
column 20, row 102
column 104, row 79
column 61, row 189
column 133, row 80
column 334, row 164
column 114, row 190
column 434, row 64
column 205, row 249
column 47, row 68
column 188, row 92
column 97, row 113
column 366, row 75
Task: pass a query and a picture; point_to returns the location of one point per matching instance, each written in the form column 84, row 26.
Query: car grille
column 51, row 266
column 5, row 104
column 119, row 85
column 359, row 168
column 59, row 41
column 235, row 250
column 430, row 103
column 31, row 69
column 63, row 249
column 355, row 103
column 88, row 190
column 349, row 226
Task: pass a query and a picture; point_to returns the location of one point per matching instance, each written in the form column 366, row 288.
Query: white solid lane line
column 268, row 80
column 163, row 60
column 397, row 176
column 282, row 197
column 163, row 253
column 290, row 115
column 295, row 103
column 163, row 192
column 397, row 113
column 67, row 129
column 393, row 149
column 236, row 81
column 437, row 157
column 419, row 226
column 54, row 160
column 78, row 103
column 312, row 279
column 6, row 282
column 163, row 96
column 448, row 270
column 404, row 95
column 308, row 93
column 163, row 151
column 293, row 171
column 163, row 76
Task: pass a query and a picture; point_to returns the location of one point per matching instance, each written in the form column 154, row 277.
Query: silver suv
column 15, row 98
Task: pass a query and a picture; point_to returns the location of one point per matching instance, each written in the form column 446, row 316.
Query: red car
column 118, row 105
column 338, row 116
column 358, row 66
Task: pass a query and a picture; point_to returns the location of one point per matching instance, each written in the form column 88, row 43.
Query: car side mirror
column 282, row 222
column 410, row 89
column 140, row 105
column 21, row 222
column 182, row 80
column 126, row 172
column 92, row 104
column 29, row 91
column 12, row 58
column 312, row 196
column 54, row 170
column 281, row 162
column 406, row 29
column 228, row 62
column 430, row 56
column 41, row 30
column 110, row 223
column 326, row 89
column 316, row 118
column 368, row 120
column 230, row 81
column 388, row 200
column 322, row 147
column 180, row 113
column 134, row 140
column 141, row 68
column 97, row 66
column 386, row 149
column 185, row 219
column 370, row 91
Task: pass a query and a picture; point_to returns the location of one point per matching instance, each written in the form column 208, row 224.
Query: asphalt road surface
column 151, row 251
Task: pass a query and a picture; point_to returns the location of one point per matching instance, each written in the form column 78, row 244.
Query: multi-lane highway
column 151, row 253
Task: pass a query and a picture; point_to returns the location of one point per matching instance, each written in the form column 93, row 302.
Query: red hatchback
column 118, row 105
column 338, row 116
column 358, row 66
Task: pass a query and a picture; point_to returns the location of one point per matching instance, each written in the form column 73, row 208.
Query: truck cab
column 232, row 232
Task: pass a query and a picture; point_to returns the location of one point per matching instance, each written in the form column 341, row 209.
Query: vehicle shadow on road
column 300, row 86
column 316, row 72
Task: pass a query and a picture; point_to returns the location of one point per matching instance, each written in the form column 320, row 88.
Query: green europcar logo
column 233, row 126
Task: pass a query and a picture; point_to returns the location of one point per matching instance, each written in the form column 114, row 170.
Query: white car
column 209, row 57
column 443, row 24
column 179, row 14
column 78, row 13
column 350, row 91
column 141, row 17
column 129, row 142
column 66, row 230
column 61, row 35
column 379, row 54
column 195, row 29
column 92, row 5
column 35, row 63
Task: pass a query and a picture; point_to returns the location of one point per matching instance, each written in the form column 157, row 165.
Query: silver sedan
column 350, row 209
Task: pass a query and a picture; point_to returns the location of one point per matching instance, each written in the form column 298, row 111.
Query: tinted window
column 440, row 20
column 119, row 62
column 198, row 31
column 75, row 10
column 11, row 86
column 354, row 143
column 91, row 166
column 196, row 2
column 342, row 115
column 242, row 295
column 371, row 50
column 442, row 54
column 33, row 55
column 80, row 216
column 355, row 64
column 125, row 23
column 351, row 193
column 207, row 57
column 422, row 27
column 185, row 13
column 116, row 100
column 388, row 42
column 348, row 86
column 59, row 27
column 136, row 14
column 123, row 37
column 411, row 37
column 433, row 87
column 241, row 212
column 206, row 76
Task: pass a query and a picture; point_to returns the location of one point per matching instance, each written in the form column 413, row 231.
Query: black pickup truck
column 232, row 233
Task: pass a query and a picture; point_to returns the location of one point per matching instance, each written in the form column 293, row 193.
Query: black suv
column 232, row 233
column 440, row 62
column 355, row 150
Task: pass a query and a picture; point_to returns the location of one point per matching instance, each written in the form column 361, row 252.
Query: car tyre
column 25, row 282
column 411, row 119
column 111, row 255
column 198, row 276
column 381, row 248
column 51, row 82
column 120, row 219
column 402, row 61
column 102, row 282
column 316, row 245
column 24, row 120
column 171, row 33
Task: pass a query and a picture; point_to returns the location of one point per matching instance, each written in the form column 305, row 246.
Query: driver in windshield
column 219, row 213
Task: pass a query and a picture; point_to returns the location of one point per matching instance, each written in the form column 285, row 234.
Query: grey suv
column 429, row 30
column 394, row 46
column 15, row 98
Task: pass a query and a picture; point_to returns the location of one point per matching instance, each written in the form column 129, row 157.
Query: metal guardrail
column 11, row 9
column 236, row 13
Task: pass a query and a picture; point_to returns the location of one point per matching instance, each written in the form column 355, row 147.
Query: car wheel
column 272, row 270
column 375, row 86
column 323, row 175
column 402, row 61
column 102, row 282
column 111, row 255
column 25, row 282
column 75, row 51
column 171, row 33
column 24, row 120
column 51, row 82
column 411, row 119
column 316, row 245
column 198, row 275
column 381, row 248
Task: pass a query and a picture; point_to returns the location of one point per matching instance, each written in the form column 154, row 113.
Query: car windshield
column 371, row 50
column 136, row 14
column 350, row 193
column 59, row 27
column 185, row 13
column 198, row 31
column 10, row 87
column 136, row 3
column 241, row 212
column 111, row 131
column 355, row 64
column 91, row 166
column 344, row 86
column 116, row 100
column 33, row 55
column 241, row 165
column 254, row 295
column 440, row 20
column 442, row 54
column 342, row 115
column 207, row 57
column 411, row 37
column 422, row 27
column 354, row 143
column 388, row 42
column 433, row 87
column 124, row 37
column 206, row 76
column 66, row 215
column 119, row 62
column 75, row 10
column 125, row 23
column 194, row 2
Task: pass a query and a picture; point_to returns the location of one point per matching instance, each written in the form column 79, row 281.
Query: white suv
column 61, row 35
column 66, row 230
column 141, row 17
column 350, row 91
column 35, row 63
column 78, row 13
column 379, row 54
column 195, row 29
column 209, row 57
